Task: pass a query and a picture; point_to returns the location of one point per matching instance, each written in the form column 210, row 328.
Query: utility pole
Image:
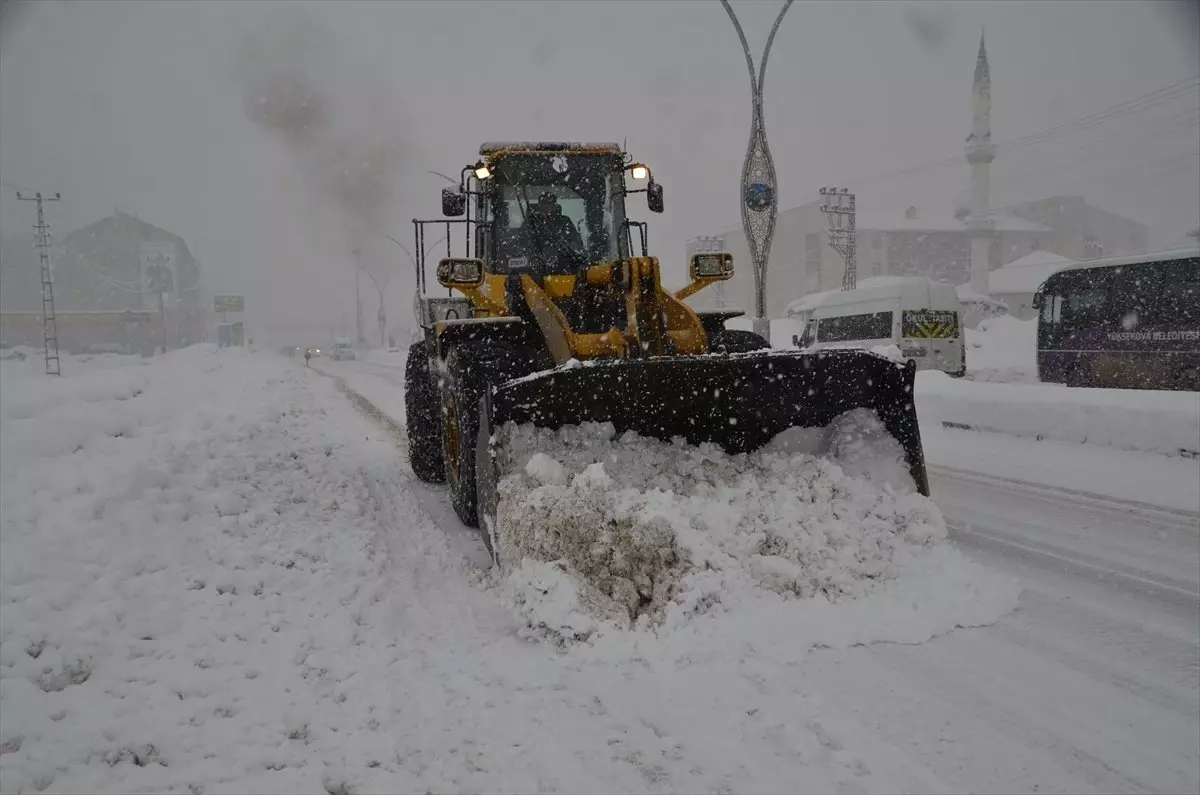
column 358, row 315
column 159, row 279
column 49, row 322
column 839, row 209
column 381, row 315
column 162, row 320
column 759, row 193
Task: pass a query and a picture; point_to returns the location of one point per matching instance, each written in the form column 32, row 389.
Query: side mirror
column 454, row 203
column 460, row 272
column 715, row 266
column 654, row 197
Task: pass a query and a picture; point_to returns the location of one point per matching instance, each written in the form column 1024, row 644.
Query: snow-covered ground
column 218, row 575
column 1150, row 420
column 1091, row 685
column 1002, row 349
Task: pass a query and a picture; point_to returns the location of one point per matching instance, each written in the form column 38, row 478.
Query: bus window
column 1051, row 308
column 1085, row 297
column 1179, row 304
column 1139, row 290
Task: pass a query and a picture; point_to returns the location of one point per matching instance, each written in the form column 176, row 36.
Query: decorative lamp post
column 759, row 195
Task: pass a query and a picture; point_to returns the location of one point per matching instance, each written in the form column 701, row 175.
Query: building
column 1081, row 231
column 907, row 243
column 1016, row 282
column 966, row 247
column 107, row 279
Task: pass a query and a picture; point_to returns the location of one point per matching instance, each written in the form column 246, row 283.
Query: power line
column 1143, row 103
column 17, row 187
column 1159, row 170
column 1136, row 105
column 1088, row 154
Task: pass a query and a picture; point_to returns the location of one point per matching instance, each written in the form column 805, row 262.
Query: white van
column 920, row 317
column 343, row 349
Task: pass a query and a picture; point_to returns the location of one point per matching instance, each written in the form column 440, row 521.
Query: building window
column 876, row 242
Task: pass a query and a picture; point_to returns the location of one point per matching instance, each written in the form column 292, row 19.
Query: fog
column 284, row 142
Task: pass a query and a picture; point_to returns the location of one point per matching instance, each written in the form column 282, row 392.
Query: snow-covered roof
column 1026, row 274
column 863, row 289
column 1039, row 257
column 813, row 300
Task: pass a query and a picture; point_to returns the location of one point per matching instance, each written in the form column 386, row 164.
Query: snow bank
column 777, row 548
column 1003, row 349
column 1155, row 421
column 182, row 556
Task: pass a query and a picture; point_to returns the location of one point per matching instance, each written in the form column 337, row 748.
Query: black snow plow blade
column 738, row 401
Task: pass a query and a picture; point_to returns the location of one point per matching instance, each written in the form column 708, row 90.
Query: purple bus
column 1125, row 322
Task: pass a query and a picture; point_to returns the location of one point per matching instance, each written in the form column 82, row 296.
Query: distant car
column 314, row 352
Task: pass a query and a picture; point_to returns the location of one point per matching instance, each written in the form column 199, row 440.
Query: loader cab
column 529, row 199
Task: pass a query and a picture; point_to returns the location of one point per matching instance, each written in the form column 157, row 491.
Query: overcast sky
column 140, row 105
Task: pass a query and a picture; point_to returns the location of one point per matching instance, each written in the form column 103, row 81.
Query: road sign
column 228, row 303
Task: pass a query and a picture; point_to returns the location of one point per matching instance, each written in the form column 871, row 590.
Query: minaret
column 980, row 154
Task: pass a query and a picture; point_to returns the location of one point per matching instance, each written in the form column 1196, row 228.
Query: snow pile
column 1154, row 421
column 600, row 533
column 889, row 352
column 1003, row 349
column 182, row 557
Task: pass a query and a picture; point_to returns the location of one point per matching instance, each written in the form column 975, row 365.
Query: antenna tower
column 49, row 323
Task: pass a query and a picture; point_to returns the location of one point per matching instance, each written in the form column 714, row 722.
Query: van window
column 875, row 326
column 810, row 334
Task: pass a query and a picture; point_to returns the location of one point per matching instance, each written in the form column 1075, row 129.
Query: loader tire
column 737, row 341
column 462, row 389
column 422, row 417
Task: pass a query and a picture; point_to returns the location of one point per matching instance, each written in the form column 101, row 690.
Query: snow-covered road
column 220, row 576
column 1092, row 686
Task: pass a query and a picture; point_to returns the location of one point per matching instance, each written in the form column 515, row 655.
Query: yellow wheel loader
column 551, row 318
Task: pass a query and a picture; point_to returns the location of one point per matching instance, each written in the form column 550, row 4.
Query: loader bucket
column 738, row 401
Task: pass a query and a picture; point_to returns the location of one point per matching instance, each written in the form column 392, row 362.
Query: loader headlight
column 482, row 172
column 460, row 272
column 712, row 265
column 639, row 171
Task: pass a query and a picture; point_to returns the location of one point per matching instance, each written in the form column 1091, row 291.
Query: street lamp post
column 380, row 316
column 759, row 195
